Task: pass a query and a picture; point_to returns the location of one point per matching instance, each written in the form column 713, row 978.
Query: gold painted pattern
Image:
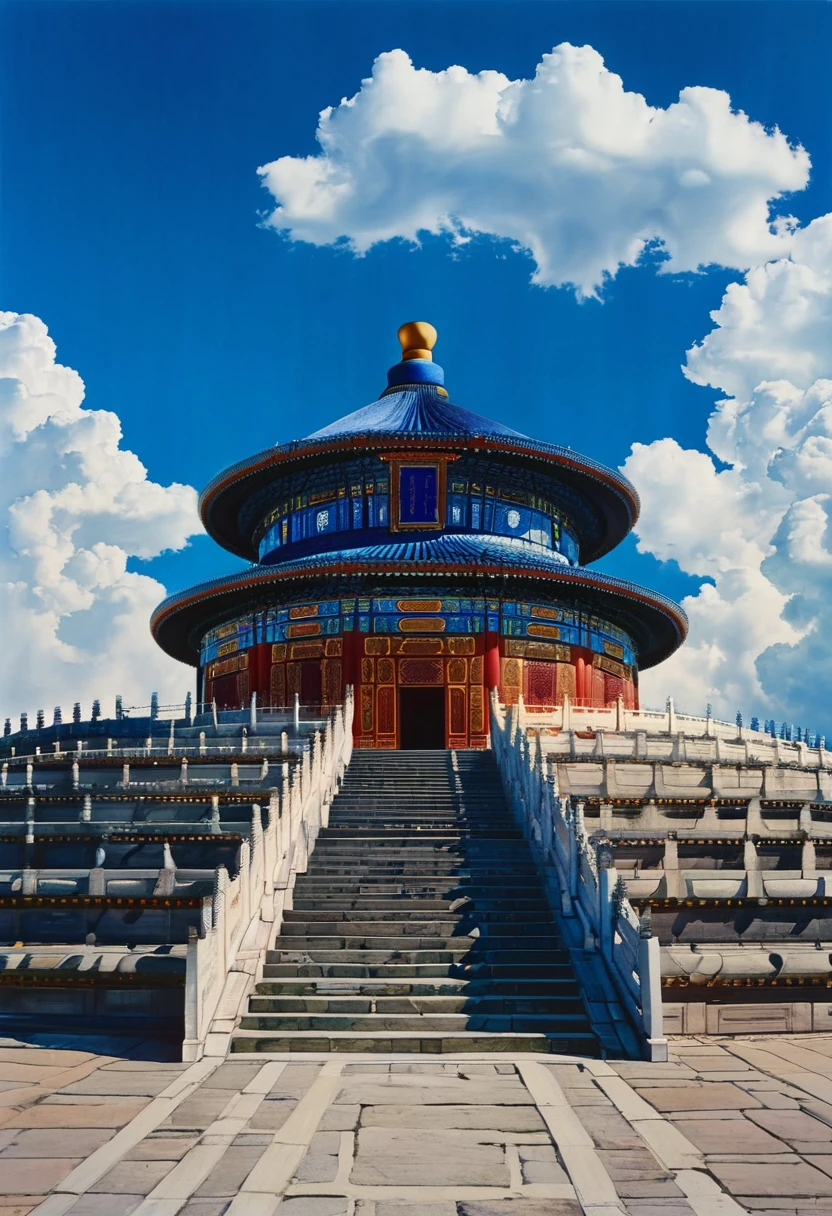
column 422, row 624
column 419, row 605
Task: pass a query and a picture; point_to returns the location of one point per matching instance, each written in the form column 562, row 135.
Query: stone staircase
column 421, row 925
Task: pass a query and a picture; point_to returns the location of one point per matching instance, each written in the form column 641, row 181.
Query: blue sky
column 131, row 135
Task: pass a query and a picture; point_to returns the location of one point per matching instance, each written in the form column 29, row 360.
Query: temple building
column 425, row 555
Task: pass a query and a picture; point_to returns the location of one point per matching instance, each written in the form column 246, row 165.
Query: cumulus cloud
column 760, row 527
column 569, row 167
column 74, row 507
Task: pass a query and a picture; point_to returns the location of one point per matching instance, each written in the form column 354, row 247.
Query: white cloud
column 567, row 166
column 760, row 528
column 74, row 506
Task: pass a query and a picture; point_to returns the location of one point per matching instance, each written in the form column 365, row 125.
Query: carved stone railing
column 647, row 734
column 226, row 955
column 581, row 878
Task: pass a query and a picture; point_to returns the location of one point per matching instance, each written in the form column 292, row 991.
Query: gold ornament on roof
column 418, row 339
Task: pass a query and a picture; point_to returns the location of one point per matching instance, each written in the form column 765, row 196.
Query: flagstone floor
column 728, row 1126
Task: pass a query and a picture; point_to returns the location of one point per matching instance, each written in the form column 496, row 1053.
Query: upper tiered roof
column 415, row 412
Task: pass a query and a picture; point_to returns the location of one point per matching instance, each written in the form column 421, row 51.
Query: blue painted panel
column 418, row 494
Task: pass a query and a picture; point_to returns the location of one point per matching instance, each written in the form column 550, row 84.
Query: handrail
column 589, row 889
column 239, row 921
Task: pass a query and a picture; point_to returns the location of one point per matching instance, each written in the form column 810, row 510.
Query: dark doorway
column 422, row 718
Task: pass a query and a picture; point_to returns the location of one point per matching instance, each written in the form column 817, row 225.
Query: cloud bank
column 74, row 507
column 760, row 528
column 569, row 167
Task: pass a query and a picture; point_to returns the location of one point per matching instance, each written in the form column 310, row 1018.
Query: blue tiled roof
column 417, row 409
column 663, row 620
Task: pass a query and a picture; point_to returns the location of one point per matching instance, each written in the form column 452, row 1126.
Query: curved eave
column 180, row 620
column 223, row 498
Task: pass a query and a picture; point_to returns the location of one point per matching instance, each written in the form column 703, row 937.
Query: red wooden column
column 492, row 661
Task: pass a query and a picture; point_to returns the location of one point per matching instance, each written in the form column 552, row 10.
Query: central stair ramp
column 421, row 925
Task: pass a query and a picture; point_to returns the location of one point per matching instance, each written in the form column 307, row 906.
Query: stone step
column 418, row 950
column 403, row 943
column 555, row 986
column 407, row 930
column 407, row 906
column 408, row 971
column 367, row 919
column 445, row 1004
column 426, row 1042
column 445, row 1023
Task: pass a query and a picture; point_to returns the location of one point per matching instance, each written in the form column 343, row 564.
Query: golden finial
column 418, row 339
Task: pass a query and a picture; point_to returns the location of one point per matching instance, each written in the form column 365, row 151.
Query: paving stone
column 295, row 1080
column 317, row 1167
column 659, row 1207
column 133, row 1177
column 232, row 1075
column 202, row 1207
column 728, row 1136
column 548, row 1172
column 342, row 1118
column 506, row 1118
column 43, row 1055
column 400, row 1207
column 741, row 1178
column 250, row 1139
column 106, row 1205
column 417, row 1157
column 230, row 1172
column 444, row 1092
column 272, row 1113
column 314, row 1205
column 519, row 1207
column 121, row 1084
column 27, row 1176
column 698, row 1095
column 793, row 1126
column 161, row 1148
column 56, row 1142
column 200, row 1109
column 608, row 1128
column 99, row 1114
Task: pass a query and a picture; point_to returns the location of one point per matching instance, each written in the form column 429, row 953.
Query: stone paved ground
column 728, row 1126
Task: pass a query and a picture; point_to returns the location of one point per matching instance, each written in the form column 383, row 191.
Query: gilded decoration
column 226, row 631
column 609, row 665
column 302, row 610
column 307, row 650
column 334, row 648
column 422, row 624
column 512, row 673
column 386, row 671
column 566, row 685
column 292, row 679
column 517, row 650
column 476, row 696
column 550, row 614
column 461, row 645
column 277, row 685
column 279, row 652
column 421, row 646
column 457, row 671
column 540, row 682
column 243, row 687
column 458, row 716
column 366, row 709
column 331, row 681
column 368, row 674
column 386, row 710
column 543, row 631
column 614, row 650
column 547, row 650
column 226, row 666
column 419, row 605
column 376, row 645
column 303, row 631
column 227, row 648
column 420, row 671
column 475, row 670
